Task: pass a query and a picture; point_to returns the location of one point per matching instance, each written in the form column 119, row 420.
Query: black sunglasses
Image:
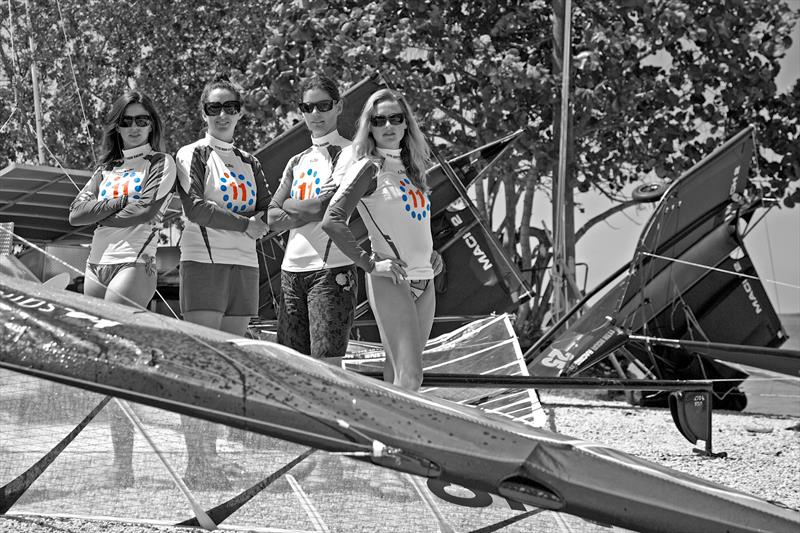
column 380, row 120
column 126, row 121
column 322, row 105
column 231, row 107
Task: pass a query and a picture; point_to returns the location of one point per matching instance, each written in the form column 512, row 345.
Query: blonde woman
column 386, row 181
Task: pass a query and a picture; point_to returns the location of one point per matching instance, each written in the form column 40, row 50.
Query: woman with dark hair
column 318, row 282
column 386, row 182
column 126, row 197
column 224, row 195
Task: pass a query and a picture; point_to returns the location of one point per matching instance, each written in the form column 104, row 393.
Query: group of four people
column 228, row 208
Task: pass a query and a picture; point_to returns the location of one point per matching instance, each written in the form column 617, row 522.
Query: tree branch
column 602, row 216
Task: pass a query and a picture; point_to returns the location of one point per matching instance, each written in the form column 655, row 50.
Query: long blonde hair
column 414, row 151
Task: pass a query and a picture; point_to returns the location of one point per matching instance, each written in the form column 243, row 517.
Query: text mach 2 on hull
column 263, row 387
column 691, row 299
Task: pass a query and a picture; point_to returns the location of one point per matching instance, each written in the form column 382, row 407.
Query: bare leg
column 132, row 286
column 92, row 286
column 426, row 309
column 209, row 319
column 401, row 334
column 388, row 367
column 200, row 435
column 122, row 440
column 235, row 324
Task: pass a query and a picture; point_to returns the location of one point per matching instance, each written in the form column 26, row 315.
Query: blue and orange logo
column 305, row 184
column 239, row 193
column 128, row 184
column 417, row 203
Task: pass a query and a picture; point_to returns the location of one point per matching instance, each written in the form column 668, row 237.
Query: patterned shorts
column 316, row 310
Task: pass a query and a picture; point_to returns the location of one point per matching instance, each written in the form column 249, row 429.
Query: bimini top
column 36, row 199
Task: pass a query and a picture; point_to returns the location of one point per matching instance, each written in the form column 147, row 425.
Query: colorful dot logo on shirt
column 129, row 183
column 417, row 203
column 239, row 193
column 303, row 185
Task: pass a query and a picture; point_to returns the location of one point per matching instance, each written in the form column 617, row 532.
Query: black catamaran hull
column 263, row 387
column 691, row 279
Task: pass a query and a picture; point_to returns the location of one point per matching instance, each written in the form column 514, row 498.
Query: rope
column 85, row 121
column 772, row 261
column 77, row 271
column 58, row 163
column 13, row 111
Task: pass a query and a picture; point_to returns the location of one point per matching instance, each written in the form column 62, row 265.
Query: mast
column 37, row 105
column 561, row 272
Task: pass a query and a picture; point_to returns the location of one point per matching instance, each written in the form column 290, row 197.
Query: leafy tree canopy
column 656, row 84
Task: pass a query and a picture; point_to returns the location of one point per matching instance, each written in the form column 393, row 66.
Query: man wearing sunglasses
column 318, row 282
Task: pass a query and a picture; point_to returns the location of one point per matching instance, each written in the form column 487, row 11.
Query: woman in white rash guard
column 386, row 181
column 318, row 282
column 126, row 197
column 225, row 198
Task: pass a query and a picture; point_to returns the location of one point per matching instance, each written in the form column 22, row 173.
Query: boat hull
column 266, row 388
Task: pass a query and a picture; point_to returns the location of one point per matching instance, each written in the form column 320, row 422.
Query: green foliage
column 656, row 84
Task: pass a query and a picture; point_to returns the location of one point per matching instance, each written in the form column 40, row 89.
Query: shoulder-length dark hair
column 414, row 150
column 112, row 142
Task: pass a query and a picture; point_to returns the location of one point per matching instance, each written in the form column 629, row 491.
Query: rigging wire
column 85, row 121
column 772, row 262
column 731, row 272
column 13, row 112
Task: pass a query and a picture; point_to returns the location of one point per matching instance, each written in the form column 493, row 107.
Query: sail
column 485, row 347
